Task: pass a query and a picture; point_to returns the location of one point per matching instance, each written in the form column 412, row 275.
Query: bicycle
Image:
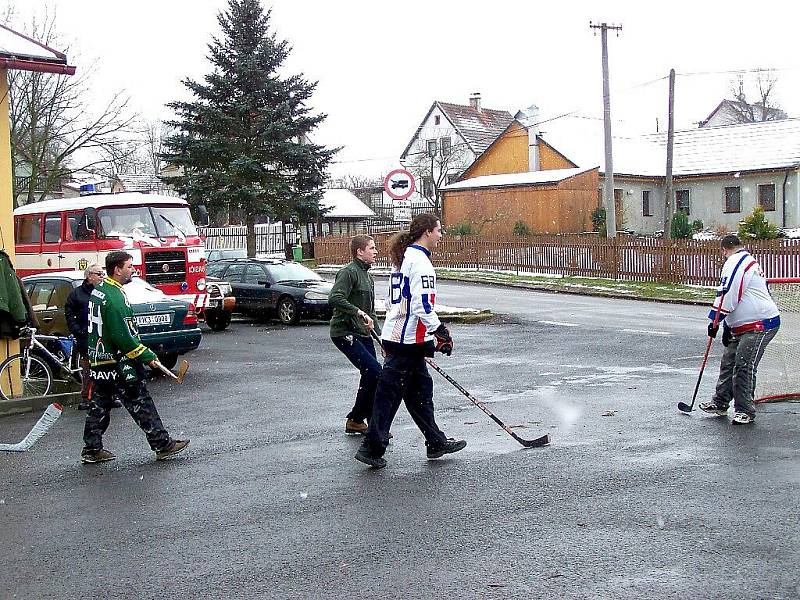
column 29, row 374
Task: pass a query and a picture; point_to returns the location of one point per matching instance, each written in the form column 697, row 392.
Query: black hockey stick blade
column 537, row 443
column 683, row 407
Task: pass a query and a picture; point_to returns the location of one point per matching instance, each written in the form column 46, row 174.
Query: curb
column 35, row 403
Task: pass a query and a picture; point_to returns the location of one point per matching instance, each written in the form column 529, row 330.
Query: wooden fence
column 624, row 258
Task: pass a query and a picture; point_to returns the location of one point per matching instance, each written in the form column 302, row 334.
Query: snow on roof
column 515, row 179
column 98, row 201
column 768, row 145
column 343, row 204
column 16, row 45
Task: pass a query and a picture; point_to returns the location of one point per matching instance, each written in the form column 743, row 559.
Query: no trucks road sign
column 399, row 184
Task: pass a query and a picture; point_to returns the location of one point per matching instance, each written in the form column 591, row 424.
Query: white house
column 449, row 139
column 719, row 173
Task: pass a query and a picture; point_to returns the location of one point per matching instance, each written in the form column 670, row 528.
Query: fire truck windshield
column 150, row 221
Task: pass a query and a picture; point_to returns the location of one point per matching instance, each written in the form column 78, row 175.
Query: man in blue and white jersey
column 750, row 320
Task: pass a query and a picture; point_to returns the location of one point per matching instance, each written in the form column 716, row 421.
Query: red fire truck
column 158, row 231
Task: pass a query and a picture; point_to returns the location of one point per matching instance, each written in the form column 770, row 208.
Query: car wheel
column 288, row 314
column 218, row 320
column 168, row 360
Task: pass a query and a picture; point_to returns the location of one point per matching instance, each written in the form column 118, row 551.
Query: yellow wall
column 550, row 158
column 508, row 154
column 6, row 192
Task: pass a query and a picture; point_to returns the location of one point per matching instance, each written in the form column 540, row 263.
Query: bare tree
column 355, row 182
column 434, row 165
column 54, row 130
column 764, row 107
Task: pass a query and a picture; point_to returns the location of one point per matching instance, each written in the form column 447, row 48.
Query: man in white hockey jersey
column 411, row 332
column 750, row 320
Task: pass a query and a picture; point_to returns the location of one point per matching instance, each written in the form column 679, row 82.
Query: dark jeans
column 404, row 378
column 737, row 370
column 360, row 351
column 138, row 402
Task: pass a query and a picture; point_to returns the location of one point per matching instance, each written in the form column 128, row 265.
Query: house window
column 682, row 201
column 437, row 119
column 427, row 187
column 766, row 196
column 431, row 147
column 445, row 145
column 733, row 199
column 646, row 210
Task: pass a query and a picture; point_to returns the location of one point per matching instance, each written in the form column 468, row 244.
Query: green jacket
column 113, row 336
column 12, row 307
column 354, row 289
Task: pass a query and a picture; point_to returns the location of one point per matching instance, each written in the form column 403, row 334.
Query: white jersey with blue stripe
column 745, row 296
column 410, row 315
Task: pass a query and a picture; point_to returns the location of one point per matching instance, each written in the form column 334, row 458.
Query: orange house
column 521, row 181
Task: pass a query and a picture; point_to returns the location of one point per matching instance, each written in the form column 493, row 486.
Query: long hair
column 400, row 241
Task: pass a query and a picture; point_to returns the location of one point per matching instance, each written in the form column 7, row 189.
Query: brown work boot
column 174, row 448
column 90, row 457
column 352, row 426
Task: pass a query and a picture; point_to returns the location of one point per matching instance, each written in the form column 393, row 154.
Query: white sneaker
column 741, row 418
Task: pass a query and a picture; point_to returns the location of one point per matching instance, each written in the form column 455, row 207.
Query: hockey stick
column 682, row 406
column 181, row 370
column 42, row 426
column 535, row 443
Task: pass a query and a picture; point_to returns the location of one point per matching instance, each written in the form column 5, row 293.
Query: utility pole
column 608, row 187
column 670, row 143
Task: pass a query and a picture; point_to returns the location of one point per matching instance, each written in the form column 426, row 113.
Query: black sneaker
column 90, row 457
column 173, row 449
column 449, row 446
column 713, row 408
column 84, row 405
column 376, row 462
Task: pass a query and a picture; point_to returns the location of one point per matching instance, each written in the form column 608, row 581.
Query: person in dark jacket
column 76, row 311
column 353, row 301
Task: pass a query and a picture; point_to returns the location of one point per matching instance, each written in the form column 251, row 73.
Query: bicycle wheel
column 15, row 382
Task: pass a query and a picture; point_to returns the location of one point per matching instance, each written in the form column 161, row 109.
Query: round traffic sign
column 399, row 184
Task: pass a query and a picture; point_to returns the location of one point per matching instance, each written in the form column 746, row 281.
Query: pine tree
column 757, row 227
column 242, row 142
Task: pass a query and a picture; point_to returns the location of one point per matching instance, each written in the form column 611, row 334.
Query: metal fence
column 624, row 258
column 269, row 237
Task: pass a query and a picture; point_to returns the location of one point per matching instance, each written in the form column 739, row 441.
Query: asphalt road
column 269, row 503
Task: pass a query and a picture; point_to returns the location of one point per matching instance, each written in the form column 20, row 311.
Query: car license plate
column 160, row 319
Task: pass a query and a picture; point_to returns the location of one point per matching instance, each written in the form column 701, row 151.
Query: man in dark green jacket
column 116, row 366
column 353, row 301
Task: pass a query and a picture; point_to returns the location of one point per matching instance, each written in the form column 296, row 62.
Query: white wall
column 707, row 201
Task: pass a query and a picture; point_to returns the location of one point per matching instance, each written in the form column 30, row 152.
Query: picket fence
column 626, row 258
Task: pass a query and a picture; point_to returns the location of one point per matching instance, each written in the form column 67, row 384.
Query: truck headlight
column 201, row 284
column 316, row 296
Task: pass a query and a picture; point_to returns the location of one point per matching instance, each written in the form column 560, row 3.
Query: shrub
column 697, row 226
column 680, row 228
column 521, row 228
column 756, row 226
column 463, row 228
column 599, row 221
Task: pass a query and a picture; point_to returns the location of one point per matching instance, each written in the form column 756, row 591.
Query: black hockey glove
column 444, row 343
column 727, row 335
column 712, row 329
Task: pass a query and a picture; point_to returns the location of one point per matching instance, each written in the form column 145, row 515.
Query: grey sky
column 381, row 64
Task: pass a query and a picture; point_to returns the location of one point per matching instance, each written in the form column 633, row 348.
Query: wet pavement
column 631, row 500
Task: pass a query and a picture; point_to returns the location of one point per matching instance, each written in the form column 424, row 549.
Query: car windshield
column 128, row 221
column 151, row 221
column 173, row 221
column 292, row 272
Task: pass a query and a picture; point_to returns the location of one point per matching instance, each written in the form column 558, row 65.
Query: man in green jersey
column 116, row 366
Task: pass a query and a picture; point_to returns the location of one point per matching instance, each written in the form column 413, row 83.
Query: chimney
column 531, row 116
column 475, row 101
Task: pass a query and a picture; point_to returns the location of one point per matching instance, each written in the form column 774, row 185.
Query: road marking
column 560, row 324
column 647, row 332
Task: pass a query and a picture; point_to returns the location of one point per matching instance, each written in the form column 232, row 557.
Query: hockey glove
column 712, row 329
column 727, row 335
column 444, row 343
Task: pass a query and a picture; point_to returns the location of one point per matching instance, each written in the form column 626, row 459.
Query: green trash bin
column 297, row 253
